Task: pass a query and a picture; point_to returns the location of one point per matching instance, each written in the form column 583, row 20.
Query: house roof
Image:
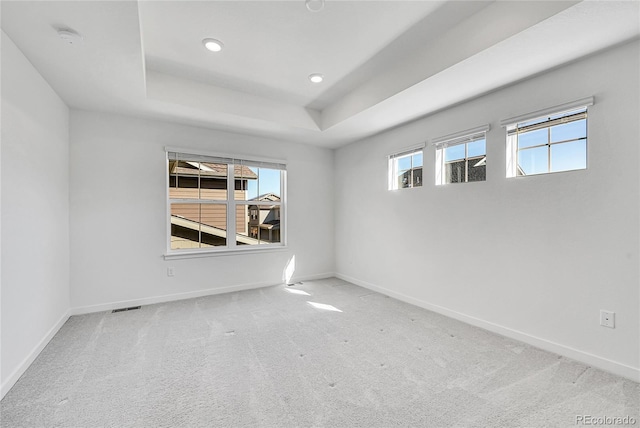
column 267, row 197
column 215, row 231
column 210, row 169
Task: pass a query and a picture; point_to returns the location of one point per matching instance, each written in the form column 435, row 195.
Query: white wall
column 118, row 221
column 535, row 258
column 35, row 213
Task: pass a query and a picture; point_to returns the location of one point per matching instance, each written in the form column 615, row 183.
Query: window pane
column 198, row 225
column 476, row 148
column 257, row 224
column 213, row 180
column 569, row 156
column 173, row 177
column 404, row 163
column 184, row 180
column 197, row 180
column 269, row 182
column 404, row 172
column 404, row 180
column 533, row 161
column 417, row 177
column 417, row 159
column 454, row 153
column 416, row 171
column 246, row 182
column 569, row 131
column 532, row 138
column 454, row 172
column 256, row 182
column 477, row 169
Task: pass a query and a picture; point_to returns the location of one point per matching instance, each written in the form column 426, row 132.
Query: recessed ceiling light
column 314, row 5
column 316, row 77
column 213, row 45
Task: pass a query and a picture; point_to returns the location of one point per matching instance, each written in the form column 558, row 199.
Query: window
column 218, row 203
column 550, row 142
column 462, row 157
column 405, row 169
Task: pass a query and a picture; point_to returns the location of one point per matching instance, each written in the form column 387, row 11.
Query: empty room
column 435, row 206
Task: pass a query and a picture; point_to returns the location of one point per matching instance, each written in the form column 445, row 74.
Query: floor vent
column 294, row 283
column 132, row 308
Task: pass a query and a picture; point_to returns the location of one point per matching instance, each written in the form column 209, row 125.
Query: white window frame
column 455, row 139
column 231, row 203
column 512, row 141
column 392, row 169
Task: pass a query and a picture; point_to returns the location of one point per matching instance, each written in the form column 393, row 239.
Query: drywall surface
column 536, row 256
column 119, row 221
column 35, row 212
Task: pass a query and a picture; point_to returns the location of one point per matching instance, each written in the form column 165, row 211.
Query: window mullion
column 231, row 206
column 168, row 205
column 517, row 150
column 466, row 162
column 537, row 146
column 570, row 140
column 283, row 214
column 549, row 149
column 199, row 224
column 395, row 174
column 411, row 172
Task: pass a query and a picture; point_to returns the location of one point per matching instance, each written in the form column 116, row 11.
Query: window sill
column 215, row 253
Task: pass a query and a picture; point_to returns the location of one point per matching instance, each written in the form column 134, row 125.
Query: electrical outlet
column 607, row 318
column 170, row 271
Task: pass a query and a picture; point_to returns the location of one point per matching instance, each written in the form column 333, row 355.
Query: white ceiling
column 384, row 62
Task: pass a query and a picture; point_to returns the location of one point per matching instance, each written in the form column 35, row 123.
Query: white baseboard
column 325, row 275
column 605, row 364
column 80, row 310
column 30, row 358
column 187, row 295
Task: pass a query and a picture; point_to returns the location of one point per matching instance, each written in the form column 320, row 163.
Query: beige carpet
column 323, row 353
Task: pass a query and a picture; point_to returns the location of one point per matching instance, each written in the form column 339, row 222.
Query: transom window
column 462, row 158
column 405, row 169
column 551, row 143
column 218, row 203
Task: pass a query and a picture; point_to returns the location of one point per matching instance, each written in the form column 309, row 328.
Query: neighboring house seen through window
column 462, row 157
column 405, row 169
column 224, row 203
